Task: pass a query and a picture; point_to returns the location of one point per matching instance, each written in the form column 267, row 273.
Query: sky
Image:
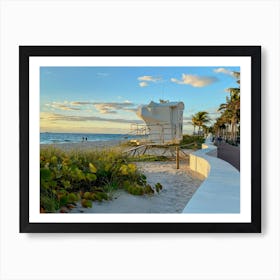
column 105, row 99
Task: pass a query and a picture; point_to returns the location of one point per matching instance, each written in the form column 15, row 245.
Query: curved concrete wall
column 220, row 192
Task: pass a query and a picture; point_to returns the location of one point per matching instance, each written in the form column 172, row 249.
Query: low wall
column 220, row 192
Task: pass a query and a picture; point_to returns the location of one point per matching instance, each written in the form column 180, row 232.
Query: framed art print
column 140, row 138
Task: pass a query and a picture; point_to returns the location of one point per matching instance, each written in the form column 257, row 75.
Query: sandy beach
column 178, row 184
column 178, row 187
column 86, row 145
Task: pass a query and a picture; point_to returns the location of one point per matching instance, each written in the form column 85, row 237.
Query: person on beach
column 83, row 139
column 86, row 138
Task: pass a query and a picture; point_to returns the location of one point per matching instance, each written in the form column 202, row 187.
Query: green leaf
column 45, row 174
column 66, row 184
column 86, row 203
column 52, row 184
column 91, row 177
column 72, row 197
column 92, row 168
column 54, row 160
column 87, row 195
column 45, row 185
column 63, row 200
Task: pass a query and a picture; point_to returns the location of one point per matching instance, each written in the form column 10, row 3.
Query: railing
column 160, row 133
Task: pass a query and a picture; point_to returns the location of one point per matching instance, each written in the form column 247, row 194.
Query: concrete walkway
column 220, row 192
column 229, row 153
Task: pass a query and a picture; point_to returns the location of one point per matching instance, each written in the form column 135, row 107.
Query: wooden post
column 177, row 157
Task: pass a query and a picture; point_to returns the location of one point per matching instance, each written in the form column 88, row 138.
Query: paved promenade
column 230, row 154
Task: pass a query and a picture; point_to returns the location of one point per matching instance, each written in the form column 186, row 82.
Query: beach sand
column 85, row 146
column 178, row 184
column 178, row 187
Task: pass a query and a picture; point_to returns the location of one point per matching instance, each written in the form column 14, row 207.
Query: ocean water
column 51, row 138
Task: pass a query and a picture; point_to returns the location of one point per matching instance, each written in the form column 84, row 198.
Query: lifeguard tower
column 164, row 121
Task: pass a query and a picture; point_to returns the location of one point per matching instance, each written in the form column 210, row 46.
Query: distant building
column 164, row 121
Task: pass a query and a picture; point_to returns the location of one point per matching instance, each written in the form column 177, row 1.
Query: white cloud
column 105, row 109
column 62, row 106
column 195, row 81
column 146, row 80
column 224, row 71
column 59, row 117
column 149, row 78
column 143, row 84
column 79, row 103
column 101, row 107
column 112, row 107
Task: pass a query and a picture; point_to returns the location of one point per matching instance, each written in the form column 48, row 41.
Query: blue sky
column 104, row 99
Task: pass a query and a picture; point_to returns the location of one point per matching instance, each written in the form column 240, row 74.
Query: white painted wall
column 220, row 192
column 139, row 256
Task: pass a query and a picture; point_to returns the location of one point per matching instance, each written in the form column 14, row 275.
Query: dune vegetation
column 69, row 177
column 193, row 142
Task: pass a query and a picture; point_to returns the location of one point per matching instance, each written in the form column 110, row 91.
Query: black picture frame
column 254, row 52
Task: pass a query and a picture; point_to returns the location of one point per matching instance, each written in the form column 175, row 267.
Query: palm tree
column 237, row 76
column 220, row 126
column 230, row 111
column 205, row 129
column 194, row 123
column 201, row 119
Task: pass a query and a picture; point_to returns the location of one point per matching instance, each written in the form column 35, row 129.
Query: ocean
column 51, row 138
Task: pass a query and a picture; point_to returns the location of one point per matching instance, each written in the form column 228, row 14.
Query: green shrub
column 63, row 200
column 148, row 189
column 87, row 195
column 158, row 187
column 192, row 141
column 136, row 190
column 72, row 198
column 48, row 204
column 67, row 177
column 86, row 203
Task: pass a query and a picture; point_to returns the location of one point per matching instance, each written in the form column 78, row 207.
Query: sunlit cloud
column 105, row 109
column 113, row 107
column 194, row 80
column 143, row 84
column 62, row 106
column 145, row 80
column 101, row 107
column 149, row 78
column 227, row 72
column 78, row 103
column 222, row 70
column 59, row 117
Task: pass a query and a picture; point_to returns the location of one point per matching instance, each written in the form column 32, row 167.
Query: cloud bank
column 59, row 117
column 227, row 72
column 101, row 107
column 145, row 80
column 62, row 106
column 194, row 80
column 113, row 107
